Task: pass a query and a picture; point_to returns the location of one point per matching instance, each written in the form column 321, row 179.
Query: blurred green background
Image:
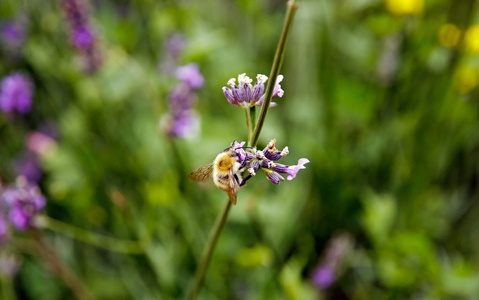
column 380, row 96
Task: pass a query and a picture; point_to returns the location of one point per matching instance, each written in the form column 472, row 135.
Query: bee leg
column 244, row 180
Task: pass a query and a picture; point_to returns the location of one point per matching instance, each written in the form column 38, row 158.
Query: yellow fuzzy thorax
column 224, row 162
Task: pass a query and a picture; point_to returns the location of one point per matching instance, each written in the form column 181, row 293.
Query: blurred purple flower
column 323, row 276
column 190, row 75
column 172, row 49
column 246, row 95
column 325, row 273
column 13, row 34
column 82, row 37
column 23, row 201
column 16, row 93
column 40, row 143
column 184, row 124
column 175, row 45
column 28, row 165
column 182, row 121
column 82, row 34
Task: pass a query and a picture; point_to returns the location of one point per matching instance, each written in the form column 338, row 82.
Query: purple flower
column 23, row 201
column 291, row 170
column 16, row 94
column 274, row 177
column 330, row 266
column 29, row 166
column 190, row 75
column 175, row 45
column 184, row 124
column 252, row 161
column 13, row 33
column 40, row 143
column 3, row 226
column 82, row 37
column 246, row 95
column 182, row 121
column 323, row 276
column 82, row 34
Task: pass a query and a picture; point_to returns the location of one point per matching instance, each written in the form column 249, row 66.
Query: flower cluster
column 16, row 92
column 172, row 49
column 12, row 35
column 246, row 95
column 266, row 160
column 326, row 272
column 182, row 121
column 82, row 34
column 20, row 203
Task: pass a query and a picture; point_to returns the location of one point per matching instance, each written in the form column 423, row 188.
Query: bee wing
column 202, row 174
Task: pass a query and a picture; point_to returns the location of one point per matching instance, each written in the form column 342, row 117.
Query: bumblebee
column 226, row 172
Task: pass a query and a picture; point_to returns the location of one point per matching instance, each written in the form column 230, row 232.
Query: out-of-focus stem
column 208, row 252
column 56, row 265
column 277, row 61
column 97, row 240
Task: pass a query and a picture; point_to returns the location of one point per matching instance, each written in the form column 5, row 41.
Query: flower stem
column 252, row 140
column 55, row 264
column 277, row 61
column 208, row 252
column 97, row 240
column 249, row 124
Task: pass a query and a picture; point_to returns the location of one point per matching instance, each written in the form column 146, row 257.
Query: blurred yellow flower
column 404, row 7
column 465, row 80
column 471, row 39
column 449, row 35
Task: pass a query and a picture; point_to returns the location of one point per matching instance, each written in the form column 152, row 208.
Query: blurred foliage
column 380, row 96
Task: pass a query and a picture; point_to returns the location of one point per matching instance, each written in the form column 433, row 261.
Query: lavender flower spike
column 190, row 75
column 24, row 201
column 246, row 95
column 291, row 170
column 16, row 94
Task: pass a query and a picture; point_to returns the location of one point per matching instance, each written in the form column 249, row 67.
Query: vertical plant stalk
column 249, row 124
column 54, row 262
column 208, row 251
column 277, row 61
column 252, row 140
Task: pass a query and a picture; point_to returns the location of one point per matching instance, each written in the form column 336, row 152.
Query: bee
column 226, row 172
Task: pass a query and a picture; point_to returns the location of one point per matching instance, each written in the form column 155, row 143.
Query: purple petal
column 274, row 177
column 245, row 93
column 323, row 277
column 16, row 94
column 19, row 217
column 277, row 91
column 190, row 75
column 229, row 96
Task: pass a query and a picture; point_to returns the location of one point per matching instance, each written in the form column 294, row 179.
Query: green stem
column 278, row 59
column 249, row 124
column 252, row 140
column 101, row 241
column 8, row 292
column 252, row 111
column 56, row 265
column 208, row 252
